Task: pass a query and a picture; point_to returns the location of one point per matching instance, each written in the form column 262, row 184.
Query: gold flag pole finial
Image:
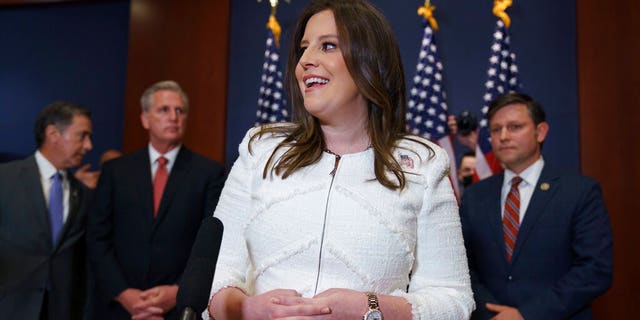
column 273, row 24
column 427, row 12
column 499, row 7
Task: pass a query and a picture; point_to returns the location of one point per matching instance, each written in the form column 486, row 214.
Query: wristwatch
column 374, row 312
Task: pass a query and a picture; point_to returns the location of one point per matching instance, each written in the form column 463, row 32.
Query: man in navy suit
column 539, row 241
column 42, row 221
column 147, row 211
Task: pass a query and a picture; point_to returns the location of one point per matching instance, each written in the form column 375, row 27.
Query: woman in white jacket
column 341, row 214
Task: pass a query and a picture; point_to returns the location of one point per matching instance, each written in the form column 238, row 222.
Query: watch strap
column 372, row 301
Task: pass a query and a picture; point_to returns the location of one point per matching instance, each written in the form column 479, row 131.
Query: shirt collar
column 171, row 155
column 46, row 168
column 530, row 175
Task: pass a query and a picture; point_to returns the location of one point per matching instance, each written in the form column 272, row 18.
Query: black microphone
column 195, row 284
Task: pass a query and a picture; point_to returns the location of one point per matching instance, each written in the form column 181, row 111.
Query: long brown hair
column 372, row 56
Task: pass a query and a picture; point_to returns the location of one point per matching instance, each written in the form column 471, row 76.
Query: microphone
column 195, row 285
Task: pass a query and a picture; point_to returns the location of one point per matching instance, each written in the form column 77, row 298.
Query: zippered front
column 324, row 222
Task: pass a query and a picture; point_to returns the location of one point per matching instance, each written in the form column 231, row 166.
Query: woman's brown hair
column 372, row 56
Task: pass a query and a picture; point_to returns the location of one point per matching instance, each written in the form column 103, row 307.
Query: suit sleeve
column 592, row 267
column 481, row 293
column 110, row 279
column 214, row 188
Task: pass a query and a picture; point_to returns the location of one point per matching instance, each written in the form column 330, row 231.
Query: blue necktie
column 55, row 206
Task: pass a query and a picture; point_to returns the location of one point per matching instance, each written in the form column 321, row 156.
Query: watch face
column 373, row 315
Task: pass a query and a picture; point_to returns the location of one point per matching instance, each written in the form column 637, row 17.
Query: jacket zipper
column 324, row 222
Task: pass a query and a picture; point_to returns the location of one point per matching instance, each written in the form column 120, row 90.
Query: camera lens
column 466, row 122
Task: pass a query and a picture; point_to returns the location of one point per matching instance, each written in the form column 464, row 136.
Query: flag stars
column 427, row 108
column 489, row 84
column 271, row 103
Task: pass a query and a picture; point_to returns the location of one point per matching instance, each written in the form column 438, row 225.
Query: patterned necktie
column 55, row 206
column 159, row 182
column 511, row 218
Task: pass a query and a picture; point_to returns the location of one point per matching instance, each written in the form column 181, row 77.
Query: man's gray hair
column 145, row 101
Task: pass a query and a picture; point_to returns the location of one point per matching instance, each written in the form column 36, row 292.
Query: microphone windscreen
column 195, row 283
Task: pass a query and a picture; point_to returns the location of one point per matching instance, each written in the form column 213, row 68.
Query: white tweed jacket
column 314, row 231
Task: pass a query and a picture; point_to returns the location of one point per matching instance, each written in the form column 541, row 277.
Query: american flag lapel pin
column 406, row 161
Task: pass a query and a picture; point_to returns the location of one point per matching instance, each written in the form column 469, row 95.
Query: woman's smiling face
column 329, row 92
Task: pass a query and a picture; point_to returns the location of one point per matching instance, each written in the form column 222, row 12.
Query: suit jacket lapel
column 494, row 213
column 543, row 192
column 143, row 183
column 33, row 190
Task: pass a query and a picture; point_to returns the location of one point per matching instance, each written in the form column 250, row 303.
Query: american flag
column 427, row 110
column 502, row 77
column 272, row 105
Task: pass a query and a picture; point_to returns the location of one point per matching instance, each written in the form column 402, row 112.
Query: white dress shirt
column 530, row 178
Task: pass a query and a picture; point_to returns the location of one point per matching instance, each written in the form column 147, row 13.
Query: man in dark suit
column 539, row 241
column 42, row 221
column 147, row 211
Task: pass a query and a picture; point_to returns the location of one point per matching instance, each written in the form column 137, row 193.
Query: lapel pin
column 544, row 186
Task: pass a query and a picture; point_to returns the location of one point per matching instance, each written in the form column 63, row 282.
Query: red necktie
column 159, row 182
column 511, row 218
